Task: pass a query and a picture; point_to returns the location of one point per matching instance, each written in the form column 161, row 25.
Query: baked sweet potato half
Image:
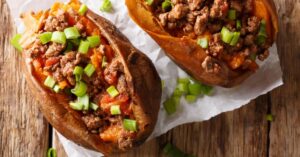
column 93, row 86
column 217, row 41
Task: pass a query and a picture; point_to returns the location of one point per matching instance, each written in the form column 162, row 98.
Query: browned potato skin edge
column 143, row 81
column 185, row 52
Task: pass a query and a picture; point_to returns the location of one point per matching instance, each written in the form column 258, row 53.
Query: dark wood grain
column 243, row 132
column 24, row 132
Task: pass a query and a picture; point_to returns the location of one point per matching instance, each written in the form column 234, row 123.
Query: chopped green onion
column 172, row 151
column 183, row 88
column 51, row 152
column 203, row 42
column 260, row 40
column 84, row 100
column 80, row 89
column 226, row 35
column 232, row 14
column 112, row 91
column 45, row 37
column 59, row 37
column 253, row 56
column 238, row 24
column 49, row 82
column 94, row 41
column 78, row 71
column 195, row 89
column 207, row 90
column 15, row 42
column 72, row 33
column 170, row 105
column 82, row 10
column 262, row 34
column 149, row 2
column 177, row 92
column 75, row 42
column 270, row 117
column 76, row 106
column 89, row 70
column 184, row 80
column 106, row 6
column 104, row 62
column 56, row 88
column 115, row 110
column 166, row 5
column 94, row 106
column 130, row 125
column 84, row 47
column 235, row 38
column 190, row 98
column 69, row 47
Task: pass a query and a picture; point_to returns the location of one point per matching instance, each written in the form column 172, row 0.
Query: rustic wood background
column 243, row 132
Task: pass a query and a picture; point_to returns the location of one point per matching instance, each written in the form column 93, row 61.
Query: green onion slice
column 76, row 106
column 207, row 90
column 226, row 35
column 49, row 82
column 51, row 152
column 184, row 80
column 170, row 105
column 195, row 89
column 130, row 124
column 203, row 42
column 262, row 34
column 270, row 117
column 104, row 62
column 84, row 100
column 253, row 56
column 59, row 37
column 173, row 151
column 45, row 37
column 190, row 98
column 149, row 2
column 166, row 5
column 82, row 10
column 80, row 89
column 183, row 88
column 84, row 47
column 78, row 71
column 15, row 42
column 72, row 33
column 106, row 6
column 56, row 88
column 75, row 42
column 89, row 70
column 94, row 41
column 112, row 91
column 115, row 110
column 238, row 24
column 94, row 106
column 232, row 14
column 235, row 38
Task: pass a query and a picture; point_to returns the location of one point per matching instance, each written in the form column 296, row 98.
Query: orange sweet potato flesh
column 185, row 52
column 142, row 78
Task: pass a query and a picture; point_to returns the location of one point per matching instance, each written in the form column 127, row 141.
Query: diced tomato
column 51, row 61
column 109, row 53
column 237, row 61
column 71, row 20
column 122, row 100
column 111, row 78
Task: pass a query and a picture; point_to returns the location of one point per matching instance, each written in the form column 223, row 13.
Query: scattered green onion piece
column 78, row 71
column 166, row 5
column 84, row 100
column 94, row 106
column 235, row 38
column 253, row 56
column 76, row 106
column 149, row 2
column 89, row 70
column 56, row 88
column 72, row 33
column 106, row 6
column 69, row 47
column 112, row 91
column 130, row 124
column 183, row 88
column 177, row 92
column 84, row 47
column 226, row 35
column 115, row 110
column 262, row 34
column 82, row 10
column 238, row 24
column 104, row 62
column 172, row 151
column 80, row 89
column 170, row 106
column 232, row 14
column 260, row 40
column 195, row 89
column 184, row 80
column 75, row 42
column 51, row 152
column 207, row 90
column 59, row 37
column 203, row 42
column 49, row 82
column 270, row 117
column 45, row 37
column 190, row 98
column 94, row 41
column 15, row 42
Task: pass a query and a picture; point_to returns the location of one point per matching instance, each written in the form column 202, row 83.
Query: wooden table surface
column 243, row 132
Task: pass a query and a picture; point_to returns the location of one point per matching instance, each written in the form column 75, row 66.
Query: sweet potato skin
column 142, row 78
column 187, row 54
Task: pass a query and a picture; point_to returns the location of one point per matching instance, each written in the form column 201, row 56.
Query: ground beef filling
column 195, row 18
column 59, row 61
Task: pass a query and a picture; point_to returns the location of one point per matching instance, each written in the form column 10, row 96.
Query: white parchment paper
column 268, row 77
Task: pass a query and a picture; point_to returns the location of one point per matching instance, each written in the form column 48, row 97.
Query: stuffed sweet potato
column 217, row 41
column 93, row 86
